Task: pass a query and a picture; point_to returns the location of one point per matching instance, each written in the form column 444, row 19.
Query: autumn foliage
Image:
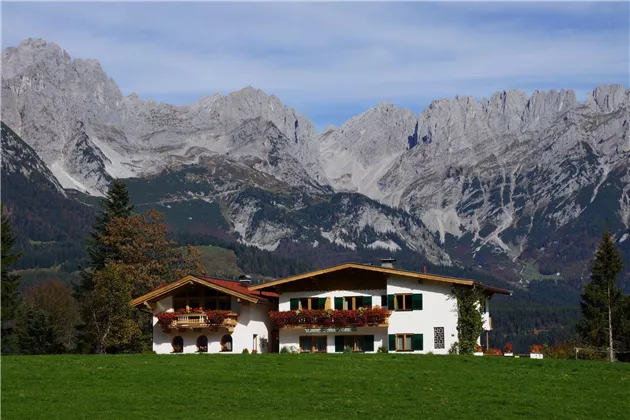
column 138, row 243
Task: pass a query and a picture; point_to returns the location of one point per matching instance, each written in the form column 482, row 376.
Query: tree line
column 128, row 254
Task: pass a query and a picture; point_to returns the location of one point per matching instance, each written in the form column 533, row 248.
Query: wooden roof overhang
column 375, row 278
column 169, row 289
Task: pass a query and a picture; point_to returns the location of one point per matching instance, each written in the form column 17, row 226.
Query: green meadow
column 301, row 386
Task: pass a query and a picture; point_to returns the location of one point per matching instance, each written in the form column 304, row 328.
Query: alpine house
column 345, row 308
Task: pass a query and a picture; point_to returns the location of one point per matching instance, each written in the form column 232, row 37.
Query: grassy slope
column 310, row 386
column 219, row 261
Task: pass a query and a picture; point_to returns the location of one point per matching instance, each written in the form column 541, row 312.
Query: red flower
column 359, row 317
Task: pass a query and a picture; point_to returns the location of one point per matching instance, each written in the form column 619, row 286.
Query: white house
column 346, row 308
column 398, row 310
column 199, row 314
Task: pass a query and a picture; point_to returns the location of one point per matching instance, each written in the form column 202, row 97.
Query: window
column 178, row 344
column 403, row 342
column 384, row 301
column 438, row 338
column 406, row 342
column 255, row 344
column 201, row 297
column 313, row 344
column 403, row 303
column 226, row 343
column 202, row 344
column 354, row 343
column 308, row 303
column 356, row 302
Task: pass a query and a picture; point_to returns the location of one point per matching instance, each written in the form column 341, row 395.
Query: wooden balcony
column 200, row 321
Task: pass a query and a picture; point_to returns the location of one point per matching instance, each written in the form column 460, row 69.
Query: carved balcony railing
column 212, row 320
column 329, row 318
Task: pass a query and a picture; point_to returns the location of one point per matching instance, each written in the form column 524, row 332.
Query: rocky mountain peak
column 607, row 98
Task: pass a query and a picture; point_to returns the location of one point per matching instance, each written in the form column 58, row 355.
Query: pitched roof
column 230, row 287
column 406, row 273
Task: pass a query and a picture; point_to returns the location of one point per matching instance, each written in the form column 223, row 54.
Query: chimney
column 388, row 262
column 425, row 269
column 245, row 280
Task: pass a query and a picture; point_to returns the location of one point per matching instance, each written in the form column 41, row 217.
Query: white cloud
column 331, row 52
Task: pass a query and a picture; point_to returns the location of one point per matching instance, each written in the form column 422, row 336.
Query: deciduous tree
column 109, row 318
column 148, row 257
column 55, row 299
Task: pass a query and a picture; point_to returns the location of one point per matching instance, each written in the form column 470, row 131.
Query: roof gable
column 385, row 270
column 228, row 287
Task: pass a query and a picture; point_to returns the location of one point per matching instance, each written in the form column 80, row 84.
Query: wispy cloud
column 322, row 57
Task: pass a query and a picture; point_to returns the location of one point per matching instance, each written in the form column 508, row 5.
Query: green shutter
column 392, row 342
column 416, row 302
column 390, row 302
column 339, row 343
column 368, row 343
column 417, row 341
column 295, row 304
column 339, row 303
column 367, row 301
column 321, row 303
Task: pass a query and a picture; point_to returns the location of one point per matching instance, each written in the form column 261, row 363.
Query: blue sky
column 332, row 61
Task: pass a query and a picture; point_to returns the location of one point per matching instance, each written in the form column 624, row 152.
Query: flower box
column 327, row 317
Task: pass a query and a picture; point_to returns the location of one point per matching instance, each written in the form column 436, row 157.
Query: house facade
column 347, row 308
column 199, row 314
column 396, row 310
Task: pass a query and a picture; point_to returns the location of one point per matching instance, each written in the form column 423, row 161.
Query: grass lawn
column 280, row 386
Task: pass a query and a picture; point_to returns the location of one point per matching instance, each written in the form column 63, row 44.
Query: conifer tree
column 115, row 204
column 602, row 299
column 35, row 332
column 10, row 282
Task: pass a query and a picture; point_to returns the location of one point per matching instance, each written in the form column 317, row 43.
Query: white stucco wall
column 485, row 318
column 252, row 319
column 291, row 337
column 439, row 309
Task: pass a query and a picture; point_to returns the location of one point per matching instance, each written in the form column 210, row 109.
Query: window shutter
column 416, row 302
column 418, row 342
column 339, row 344
column 368, row 343
column 367, row 301
column 339, row 303
column 392, row 342
column 321, row 303
column 295, row 304
column 390, row 302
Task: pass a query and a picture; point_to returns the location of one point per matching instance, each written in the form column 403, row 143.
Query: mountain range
column 516, row 187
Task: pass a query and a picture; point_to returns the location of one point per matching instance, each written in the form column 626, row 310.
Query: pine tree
column 601, row 299
column 115, row 204
column 35, row 332
column 10, row 282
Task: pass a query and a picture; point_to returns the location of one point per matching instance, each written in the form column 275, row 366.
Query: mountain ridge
column 492, row 181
